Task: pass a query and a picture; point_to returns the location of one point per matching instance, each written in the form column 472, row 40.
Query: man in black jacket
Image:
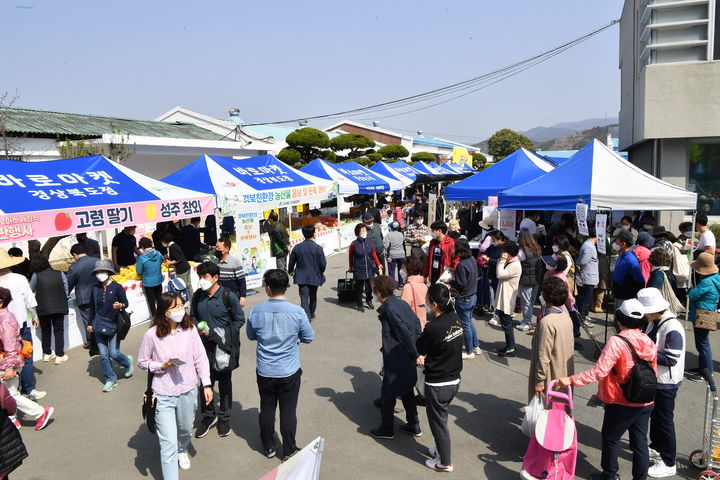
column 309, row 258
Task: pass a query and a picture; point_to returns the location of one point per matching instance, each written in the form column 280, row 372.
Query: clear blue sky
column 286, row 59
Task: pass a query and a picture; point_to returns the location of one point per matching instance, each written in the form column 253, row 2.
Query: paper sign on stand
column 247, row 242
column 601, row 229
column 581, row 211
column 506, row 223
column 432, row 207
column 492, row 202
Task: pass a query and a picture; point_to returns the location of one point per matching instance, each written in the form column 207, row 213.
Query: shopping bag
column 532, row 412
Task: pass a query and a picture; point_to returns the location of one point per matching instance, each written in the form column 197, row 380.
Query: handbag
column 706, row 319
column 669, row 294
column 149, row 405
column 123, row 324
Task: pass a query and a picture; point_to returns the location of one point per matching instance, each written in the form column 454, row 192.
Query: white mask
column 616, row 247
column 648, row 227
column 178, row 316
column 625, row 227
column 403, row 275
column 375, row 298
column 419, row 222
column 556, row 249
column 205, row 284
column 363, row 235
column 102, row 276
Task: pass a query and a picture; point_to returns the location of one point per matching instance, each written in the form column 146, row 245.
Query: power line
column 473, row 85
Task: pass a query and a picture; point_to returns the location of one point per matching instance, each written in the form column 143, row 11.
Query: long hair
column 528, row 243
column 162, row 323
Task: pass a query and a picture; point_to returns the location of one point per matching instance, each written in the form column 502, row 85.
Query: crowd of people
column 427, row 328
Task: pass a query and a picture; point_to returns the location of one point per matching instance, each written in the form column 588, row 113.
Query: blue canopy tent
column 438, row 173
column 517, row 168
column 251, row 184
column 603, row 180
column 352, row 178
column 387, row 171
column 412, row 172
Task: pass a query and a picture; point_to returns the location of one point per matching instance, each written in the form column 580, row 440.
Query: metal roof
column 418, row 140
column 46, row 123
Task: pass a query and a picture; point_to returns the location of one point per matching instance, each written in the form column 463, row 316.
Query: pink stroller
column 552, row 451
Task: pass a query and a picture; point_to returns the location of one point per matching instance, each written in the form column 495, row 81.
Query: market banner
column 249, row 249
column 461, row 156
column 304, row 465
column 61, row 197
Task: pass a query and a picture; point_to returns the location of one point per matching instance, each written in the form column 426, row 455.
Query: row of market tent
column 44, row 199
column 61, row 197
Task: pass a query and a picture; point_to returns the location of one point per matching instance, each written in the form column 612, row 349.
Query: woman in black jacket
column 51, row 292
column 441, row 343
column 400, row 331
column 465, row 282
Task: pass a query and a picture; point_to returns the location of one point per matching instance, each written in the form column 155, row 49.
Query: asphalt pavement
column 96, row 435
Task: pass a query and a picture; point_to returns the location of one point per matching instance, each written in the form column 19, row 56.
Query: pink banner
column 51, row 223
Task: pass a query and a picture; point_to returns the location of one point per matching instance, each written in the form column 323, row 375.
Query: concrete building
column 156, row 149
column 670, row 94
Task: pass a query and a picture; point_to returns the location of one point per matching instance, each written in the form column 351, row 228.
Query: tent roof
column 517, row 168
column 251, row 184
column 410, row 171
column 352, row 177
column 603, row 180
column 388, row 171
column 60, row 197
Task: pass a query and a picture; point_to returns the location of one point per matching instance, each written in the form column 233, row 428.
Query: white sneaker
column 523, row 327
column 494, row 322
column 468, row 356
column 434, row 464
column 477, row 351
column 654, row 455
column 36, row 395
column 660, row 470
column 61, row 360
column 49, row 357
column 184, row 461
column 433, row 452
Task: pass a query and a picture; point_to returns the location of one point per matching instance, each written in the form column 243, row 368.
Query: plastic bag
column 532, row 412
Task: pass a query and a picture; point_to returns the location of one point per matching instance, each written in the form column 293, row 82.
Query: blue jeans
column 527, row 300
column 110, row 348
column 702, row 343
column 174, row 417
column 485, row 290
column 464, row 309
column 507, row 326
column 27, row 377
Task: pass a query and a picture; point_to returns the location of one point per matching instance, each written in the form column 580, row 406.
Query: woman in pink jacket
column 11, row 362
column 414, row 291
column 611, row 370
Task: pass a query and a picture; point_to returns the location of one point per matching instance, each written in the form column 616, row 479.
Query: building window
column 704, row 176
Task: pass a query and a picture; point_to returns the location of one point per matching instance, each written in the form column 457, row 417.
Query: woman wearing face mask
column 364, row 264
column 441, row 343
column 107, row 298
column 415, row 290
column 465, row 282
column 149, row 267
column 400, row 331
column 490, row 251
column 626, row 224
column 552, row 345
column 172, row 352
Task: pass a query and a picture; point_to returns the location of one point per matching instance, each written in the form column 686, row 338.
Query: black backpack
column 641, row 382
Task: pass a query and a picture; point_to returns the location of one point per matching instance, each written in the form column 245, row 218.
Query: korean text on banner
column 601, row 230
column 506, row 223
column 581, row 213
column 432, row 207
column 248, row 245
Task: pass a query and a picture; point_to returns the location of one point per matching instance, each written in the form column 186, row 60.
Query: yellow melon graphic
column 151, row 212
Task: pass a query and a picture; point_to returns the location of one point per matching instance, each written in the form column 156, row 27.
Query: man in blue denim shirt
column 279, row 327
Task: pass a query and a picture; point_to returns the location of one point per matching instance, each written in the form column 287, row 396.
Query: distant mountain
column 577, row 140
column 545, row 134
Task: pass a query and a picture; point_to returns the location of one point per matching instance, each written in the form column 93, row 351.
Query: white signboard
column 506, row 223
column 581, row 211
column 601, row 230
column 247, row 243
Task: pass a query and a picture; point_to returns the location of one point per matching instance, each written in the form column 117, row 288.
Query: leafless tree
column 10, row 145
